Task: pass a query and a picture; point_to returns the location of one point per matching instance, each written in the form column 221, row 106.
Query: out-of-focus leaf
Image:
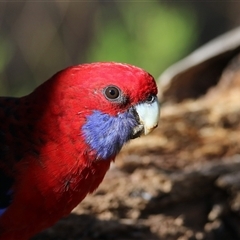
column 151, row 39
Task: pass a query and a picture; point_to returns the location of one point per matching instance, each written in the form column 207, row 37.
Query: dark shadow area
column 86, row 227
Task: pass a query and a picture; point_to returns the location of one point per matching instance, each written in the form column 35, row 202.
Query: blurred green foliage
column 6, row 53
column 37, row 39
column 149, row 35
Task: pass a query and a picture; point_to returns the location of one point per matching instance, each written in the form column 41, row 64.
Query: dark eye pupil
column 112, row 92
column 150, row 98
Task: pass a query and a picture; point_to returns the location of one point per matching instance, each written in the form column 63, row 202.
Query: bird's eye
column 111, row 92
column 150, row 99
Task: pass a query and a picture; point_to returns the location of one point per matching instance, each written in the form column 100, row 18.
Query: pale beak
column 148, row 113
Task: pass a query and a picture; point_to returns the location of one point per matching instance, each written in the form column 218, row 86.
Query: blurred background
column 39, row 38
column 182, row 181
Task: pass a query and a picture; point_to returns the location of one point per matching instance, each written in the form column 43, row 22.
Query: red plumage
column 44, row 151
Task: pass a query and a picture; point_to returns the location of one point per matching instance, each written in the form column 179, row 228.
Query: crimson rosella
column 57, row 143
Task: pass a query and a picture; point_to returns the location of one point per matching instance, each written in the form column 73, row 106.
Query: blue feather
column 107, row 134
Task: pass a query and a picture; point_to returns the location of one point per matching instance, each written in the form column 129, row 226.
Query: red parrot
column 57, row 143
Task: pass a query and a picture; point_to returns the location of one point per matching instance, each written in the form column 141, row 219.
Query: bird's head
column 118, row 102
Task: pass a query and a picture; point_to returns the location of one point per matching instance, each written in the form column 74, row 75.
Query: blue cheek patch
column 107, row 134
